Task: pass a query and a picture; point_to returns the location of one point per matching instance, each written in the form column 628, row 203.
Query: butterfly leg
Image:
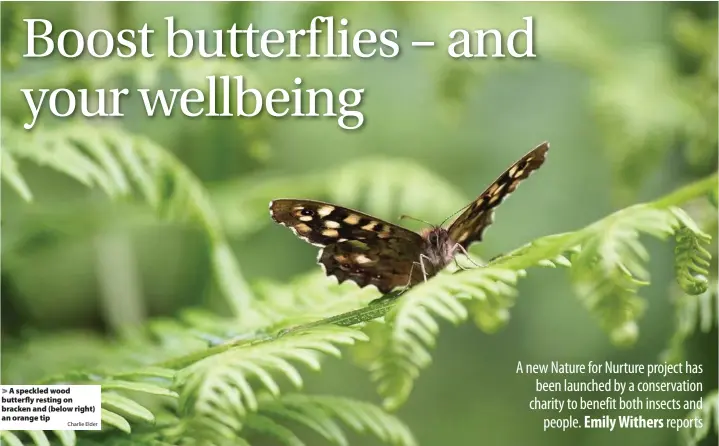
column 466, row 254
column 411, row 270
column 459, row 265
column 421, row 263
column 409, row 280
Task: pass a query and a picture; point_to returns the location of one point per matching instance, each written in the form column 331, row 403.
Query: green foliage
column 39, row 438
column 709, row 414
column 699, row 86
column 692, row 258
column 608, row 268
column 11, row 34
column 317, row 412
column 232, row 391
column 115, row 160
column 306, row 298
column 209, row 380
column 216, row 391
column 411, row 326
column 694, row 313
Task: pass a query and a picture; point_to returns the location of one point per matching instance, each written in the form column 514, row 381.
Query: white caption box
column 56, row 407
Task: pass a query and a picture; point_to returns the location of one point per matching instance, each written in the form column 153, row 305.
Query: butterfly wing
column 384, row 263
column 357, row 246
column 470, row 225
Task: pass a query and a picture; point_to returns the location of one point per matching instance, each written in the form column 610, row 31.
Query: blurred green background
column 626, row 93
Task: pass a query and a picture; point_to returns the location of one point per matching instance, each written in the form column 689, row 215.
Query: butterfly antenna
column 457, row 212
column 403, row 216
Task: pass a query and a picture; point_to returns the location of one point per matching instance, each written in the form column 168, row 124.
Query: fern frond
column 691, row 259
column 116, row 409
column 691, row 312
column 322, row 413
column 56, row 150
column 38, row 438
column 708, row 414
column 126, row 406
column 120, row 405
column 10, row 438
column 307, row 298
column 218, row 393
column 67, row 438
column 11, row 174
column 113, row 160
column 191, row 72
column 411, row 328
column 609, row 267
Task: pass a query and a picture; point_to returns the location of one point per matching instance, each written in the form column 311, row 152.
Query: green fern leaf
column 411, row 328
column 151, row 372
column 119, row 403
column 310, row 417
column 191, row 72
column 11, row 174
column 10, row 438
column 320, row 412
column 113, row 160
column 609, row 267
column 39, row 438
column 115, row 420
column 691, row 259
column 548, row 251
column 57, row 150
column 307, row 298
column 134, row 386
column 709, row 414
column 67, row 438
column 219, row 388
column 269, row 427
column 691, row 311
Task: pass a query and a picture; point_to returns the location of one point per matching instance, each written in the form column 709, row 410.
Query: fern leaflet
column 113, row 159
column 411, row 328
column 709, row 414
column 217, row 391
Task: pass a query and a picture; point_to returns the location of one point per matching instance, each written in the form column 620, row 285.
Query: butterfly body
column 370, row 251
column 438, row 250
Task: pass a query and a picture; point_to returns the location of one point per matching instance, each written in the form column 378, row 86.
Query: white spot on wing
column 331, row 224
column 303, row 238
column 352, row 219
column 325, row 211
column 330, row 233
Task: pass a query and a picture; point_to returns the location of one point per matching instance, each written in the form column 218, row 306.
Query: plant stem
column 688, row 192
column 373, row 311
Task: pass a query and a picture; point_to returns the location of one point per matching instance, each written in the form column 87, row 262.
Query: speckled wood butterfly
column 369, row 251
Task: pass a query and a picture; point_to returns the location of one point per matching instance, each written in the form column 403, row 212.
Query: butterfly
column 369, row 251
